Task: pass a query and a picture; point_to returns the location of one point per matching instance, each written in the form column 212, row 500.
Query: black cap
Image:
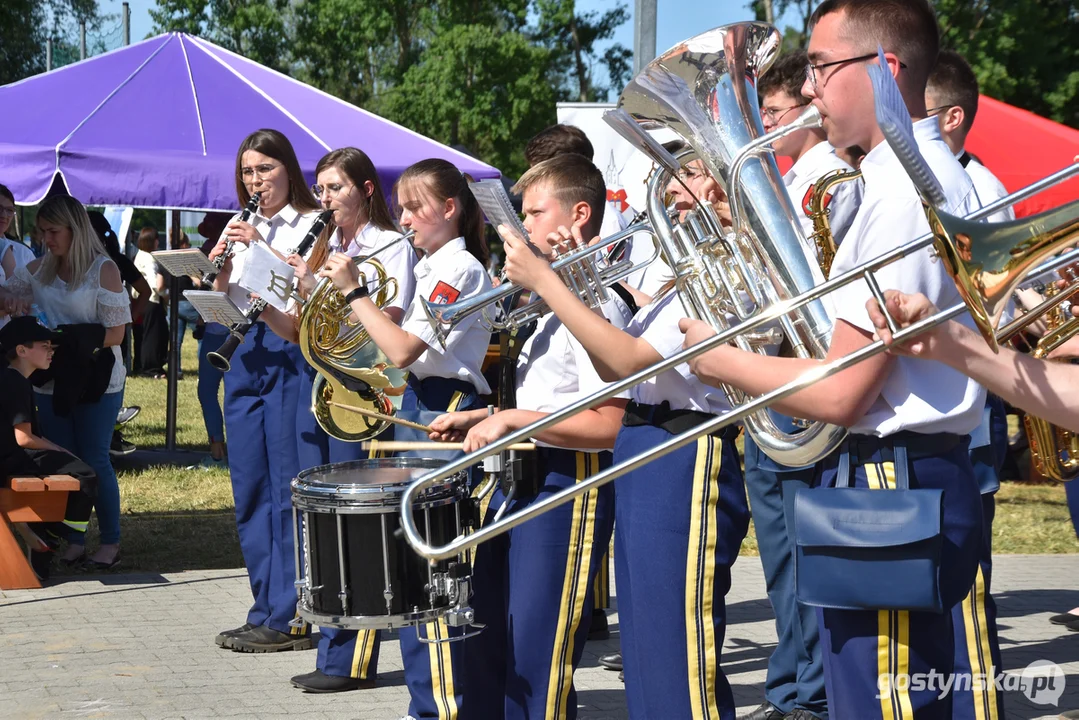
column 24, row 330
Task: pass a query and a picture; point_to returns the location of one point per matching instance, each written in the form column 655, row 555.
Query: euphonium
column 819, row 213
column 353, row 371
column 704, row 89
column 1054, row 451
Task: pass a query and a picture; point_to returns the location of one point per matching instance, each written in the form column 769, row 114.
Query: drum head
column 376, row 482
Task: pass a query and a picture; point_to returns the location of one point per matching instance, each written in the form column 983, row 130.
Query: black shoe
column 320, row 682
column 767, row 711
column 1073, row 625
column 265, row 640
column 612, row 661
column 119, row 446
column 41, row 562
column 598, row 630
column 1063, row 619
column 223, row 637
column 800, row 714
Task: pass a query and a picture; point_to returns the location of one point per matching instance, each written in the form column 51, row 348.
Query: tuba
column 819, row 214
column 352, row 371
column 1054, row 451
column 704, row 90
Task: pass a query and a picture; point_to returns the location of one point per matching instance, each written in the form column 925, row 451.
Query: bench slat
column 61, row 483
column 27, row 484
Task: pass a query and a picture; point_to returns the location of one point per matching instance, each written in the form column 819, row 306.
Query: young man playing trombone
column 908, row 422
column 533, row 587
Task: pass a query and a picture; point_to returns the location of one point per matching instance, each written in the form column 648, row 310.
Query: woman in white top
column 78, row 288
column 13, row 254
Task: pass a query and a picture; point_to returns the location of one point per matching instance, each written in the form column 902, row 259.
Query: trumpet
column 987, row 262
column 579, row 270
column 219, row 262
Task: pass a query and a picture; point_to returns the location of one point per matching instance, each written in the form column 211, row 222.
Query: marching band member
column 1038, row 387
column 795, row 668
column 534, row 586
column 677, row 533
column 436, row 203
column 349, row 185
column 261, row 397
column 952, row 97
column 892, row 406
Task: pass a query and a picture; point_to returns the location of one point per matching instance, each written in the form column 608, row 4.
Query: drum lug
column 343, row 597
column 388, row 594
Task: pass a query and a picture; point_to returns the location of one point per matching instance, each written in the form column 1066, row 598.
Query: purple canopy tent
column 157, row 124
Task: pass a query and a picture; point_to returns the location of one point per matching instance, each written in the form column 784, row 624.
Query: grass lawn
column 179, row 519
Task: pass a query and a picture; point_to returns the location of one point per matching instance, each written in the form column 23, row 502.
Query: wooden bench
column 28, row 499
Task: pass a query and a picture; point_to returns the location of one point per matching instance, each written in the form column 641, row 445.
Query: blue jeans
column 186, row 315
column 210, row 382
column 87, row 432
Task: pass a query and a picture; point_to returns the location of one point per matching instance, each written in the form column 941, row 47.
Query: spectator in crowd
column 77, row 288
column 186, row 315
column 210, row 337
column 13, row 253
column 152, row 347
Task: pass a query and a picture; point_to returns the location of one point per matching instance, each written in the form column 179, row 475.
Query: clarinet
column 219, row 262
column 221, row 359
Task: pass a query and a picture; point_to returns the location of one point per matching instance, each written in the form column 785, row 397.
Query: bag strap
column 845, row 473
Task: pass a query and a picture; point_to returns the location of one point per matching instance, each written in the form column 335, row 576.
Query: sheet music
column 268, row 275
column 184, row 262
column 215, row 307
column 496, row 205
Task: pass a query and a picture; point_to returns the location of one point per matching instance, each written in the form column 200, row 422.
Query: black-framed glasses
column 811, row 69
column 934, row 110
column 777, row 114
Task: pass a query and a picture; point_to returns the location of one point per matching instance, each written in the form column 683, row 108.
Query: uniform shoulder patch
column 444, row 293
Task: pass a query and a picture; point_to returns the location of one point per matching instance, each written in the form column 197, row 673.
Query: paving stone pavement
column 141, row 646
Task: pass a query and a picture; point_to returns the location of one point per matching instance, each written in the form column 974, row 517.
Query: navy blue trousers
column 344, row 653
column 434, row 670
column 678, row 525
column 795, row 668
column 870, row 655
column 261, row 397
column 533, row 588
column 977, row 646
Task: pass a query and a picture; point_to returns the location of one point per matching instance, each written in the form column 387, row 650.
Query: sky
column 676, row 19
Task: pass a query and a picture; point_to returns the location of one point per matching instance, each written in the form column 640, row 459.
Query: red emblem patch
column 618, row 197
column 809, row 196
column 444, row 293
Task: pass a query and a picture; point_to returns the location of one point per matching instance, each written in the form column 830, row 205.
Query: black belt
column 675, row 422
column 455, row 384
column 918, row 445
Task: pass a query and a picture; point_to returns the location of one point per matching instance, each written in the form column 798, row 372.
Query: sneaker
column 127, row 414
column 119, row 446
column 209, row 463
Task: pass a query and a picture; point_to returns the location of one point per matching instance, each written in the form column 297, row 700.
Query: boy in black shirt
column 27, row 346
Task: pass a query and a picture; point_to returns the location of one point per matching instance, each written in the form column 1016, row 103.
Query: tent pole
column 174, row 351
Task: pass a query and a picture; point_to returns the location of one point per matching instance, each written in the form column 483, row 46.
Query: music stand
column 185, row 262
column 215, row 307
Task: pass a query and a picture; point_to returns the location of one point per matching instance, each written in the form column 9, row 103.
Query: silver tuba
column 704, row 90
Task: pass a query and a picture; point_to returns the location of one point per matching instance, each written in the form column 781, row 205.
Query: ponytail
column 443, row 180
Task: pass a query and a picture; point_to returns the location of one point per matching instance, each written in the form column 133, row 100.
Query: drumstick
column 380, row 416
column 401, row 446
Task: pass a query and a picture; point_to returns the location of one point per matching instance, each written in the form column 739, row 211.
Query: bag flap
column 856, row 517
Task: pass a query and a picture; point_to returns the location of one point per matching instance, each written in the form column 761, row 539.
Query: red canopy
column 1020, row 148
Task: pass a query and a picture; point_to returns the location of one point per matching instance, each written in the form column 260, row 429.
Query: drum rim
column 370, row 622
column 307, row 485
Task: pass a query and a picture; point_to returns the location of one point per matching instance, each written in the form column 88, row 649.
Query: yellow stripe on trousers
column 361, row 656
column 574, row 589
column 700, row 579
column 974, row 621
column 441, row 670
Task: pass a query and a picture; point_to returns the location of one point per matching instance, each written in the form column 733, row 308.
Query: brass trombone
column 987, row 261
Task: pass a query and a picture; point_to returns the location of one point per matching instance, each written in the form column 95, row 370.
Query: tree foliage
column 27, row 24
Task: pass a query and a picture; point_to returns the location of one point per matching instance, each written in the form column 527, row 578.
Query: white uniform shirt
column 450, row 275
column 399, row 260
column 554, row 369
column 283, row 232
column 919, row 395
column 657, row 324
column 846, row 197
column 988, row 189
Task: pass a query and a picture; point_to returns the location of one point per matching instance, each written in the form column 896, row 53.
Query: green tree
column 27, row 24
column 572, row 38
column 256, row 29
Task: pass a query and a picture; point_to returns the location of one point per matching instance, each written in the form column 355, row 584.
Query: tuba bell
column 704, row 90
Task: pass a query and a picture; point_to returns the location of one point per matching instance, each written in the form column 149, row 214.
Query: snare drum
column 352, row 569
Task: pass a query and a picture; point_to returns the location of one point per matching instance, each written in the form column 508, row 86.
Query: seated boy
column 27, row 346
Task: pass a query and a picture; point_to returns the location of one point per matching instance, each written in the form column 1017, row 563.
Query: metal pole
column 48, row 54
column 125, row 15
column 644, row 33
column 174, row 354
column 82, row 40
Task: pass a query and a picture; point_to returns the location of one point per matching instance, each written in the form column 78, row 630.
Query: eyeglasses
column 260, row 170
column 933, row 111
column 687, row 173
column 333, row 189
column 776, row 114
column 7, row 212
column 811, row 70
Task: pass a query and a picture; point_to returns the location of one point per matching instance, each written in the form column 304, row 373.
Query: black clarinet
column 221, row 359
column 219, row 262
